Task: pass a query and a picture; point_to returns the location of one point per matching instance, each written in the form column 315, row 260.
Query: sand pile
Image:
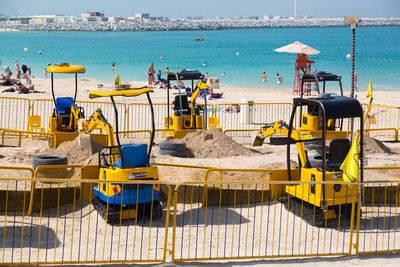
column 279, row 165
column 214, row 144
column 72, row 150
column 371, row 145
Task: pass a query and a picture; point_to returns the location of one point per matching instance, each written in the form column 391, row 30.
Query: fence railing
column 74, row 231
column 217, row 219
column 14, row 114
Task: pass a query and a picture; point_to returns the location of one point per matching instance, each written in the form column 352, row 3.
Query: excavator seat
column 134, row 155
column 337, row 152
column 63, row 105
column 185, row 106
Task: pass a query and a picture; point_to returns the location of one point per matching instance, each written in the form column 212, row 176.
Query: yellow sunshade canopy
column 124, row 92
column 65, row 69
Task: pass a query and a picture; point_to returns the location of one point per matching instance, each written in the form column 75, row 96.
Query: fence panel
column 14, row 113
column 251, row 116
column 379, row 224
column 242, row 220
column 71, row 230
column 385, row 117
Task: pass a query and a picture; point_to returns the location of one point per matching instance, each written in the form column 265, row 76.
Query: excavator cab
column 187, row 116
column 128, row 162
column 323, row 201
column 63, row 122
column 311, row 122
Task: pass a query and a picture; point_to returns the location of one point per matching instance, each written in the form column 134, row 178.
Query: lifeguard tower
column 302, row 66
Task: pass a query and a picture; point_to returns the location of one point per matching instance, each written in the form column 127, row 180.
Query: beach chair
column 34, row 124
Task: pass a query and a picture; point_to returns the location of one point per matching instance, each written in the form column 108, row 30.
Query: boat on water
column 199, row 39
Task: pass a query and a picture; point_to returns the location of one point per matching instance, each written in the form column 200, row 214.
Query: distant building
column 267, row 17
column 93, row 17
column 142, row 16
column 276, row 17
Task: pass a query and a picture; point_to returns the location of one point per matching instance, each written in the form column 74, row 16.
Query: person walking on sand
column 263, row 77
column 113, row 66
column 356, row 74
column 279, row 78
column 150, row 74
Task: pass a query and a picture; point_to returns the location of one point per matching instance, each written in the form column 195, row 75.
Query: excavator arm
column 200, row 86
column 76, row 114
column 97, row 120
column 281, row 127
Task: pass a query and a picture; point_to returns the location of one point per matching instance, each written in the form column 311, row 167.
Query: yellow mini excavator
column 313, row 200
column 187, row 116
column 121, row 200
column 63, row 122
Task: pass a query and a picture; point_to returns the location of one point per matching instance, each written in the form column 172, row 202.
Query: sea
column 238, row 56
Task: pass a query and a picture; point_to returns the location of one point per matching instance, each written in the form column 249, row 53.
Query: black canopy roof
column 321, row 76
column 335, row 106
column 186, row 75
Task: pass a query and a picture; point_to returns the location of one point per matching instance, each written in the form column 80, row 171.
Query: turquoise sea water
column 377, row 53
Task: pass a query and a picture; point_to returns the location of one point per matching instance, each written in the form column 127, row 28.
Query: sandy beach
column 91, row 228
column 269, row 154
column 65, row 87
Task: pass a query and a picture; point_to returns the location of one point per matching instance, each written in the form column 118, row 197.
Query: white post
column 295, row 15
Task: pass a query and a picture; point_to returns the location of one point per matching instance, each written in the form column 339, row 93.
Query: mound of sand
column 72, row 150
column 279, row 165
column 214, row 144
column 371, row 146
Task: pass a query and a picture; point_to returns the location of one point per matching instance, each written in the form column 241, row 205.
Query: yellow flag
column 117, row 81
column 350, row 165
column 369, row 92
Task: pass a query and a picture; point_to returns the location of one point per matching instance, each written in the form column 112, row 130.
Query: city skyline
column 207, row 9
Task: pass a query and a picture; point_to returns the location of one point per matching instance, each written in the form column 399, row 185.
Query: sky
column 204, row 8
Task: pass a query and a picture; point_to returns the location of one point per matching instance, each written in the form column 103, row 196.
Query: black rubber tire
column 174, row 153
column 49, row 159
column 170, row 145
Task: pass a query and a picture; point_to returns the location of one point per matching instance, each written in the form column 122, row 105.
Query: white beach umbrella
column 298, row 48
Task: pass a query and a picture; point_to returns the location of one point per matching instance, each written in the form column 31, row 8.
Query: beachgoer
column 356, row 74
column 28, row 87
column 159, row 78
column 113, row 66
column 279, row 78
column 29, row 71
column 24, row 68
column 223, row 74
column 17, row 69
column 207, row 74
column 233, row 109
column 263, row 77
column 150, row 74
column 7, row 79
column 204, row 63
column 166, row 71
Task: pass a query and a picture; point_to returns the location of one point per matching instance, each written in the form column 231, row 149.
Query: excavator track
column 112, row 215
column 314, row 215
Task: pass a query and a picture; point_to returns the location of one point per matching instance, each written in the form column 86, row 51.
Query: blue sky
column 205, row 8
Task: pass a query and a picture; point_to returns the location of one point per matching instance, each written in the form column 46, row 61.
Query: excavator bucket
column 95, row 142
column 258, row 140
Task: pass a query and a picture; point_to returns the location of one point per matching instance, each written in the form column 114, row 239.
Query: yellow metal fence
column 233, row 117
column 217, row 219
column 74, row 232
